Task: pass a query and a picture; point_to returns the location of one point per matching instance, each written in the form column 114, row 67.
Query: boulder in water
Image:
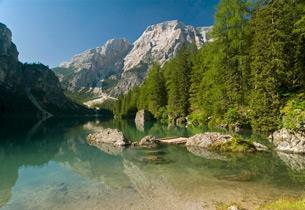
column 149, row 141
column 142, row 116
column 109, row 136
column 208, row 139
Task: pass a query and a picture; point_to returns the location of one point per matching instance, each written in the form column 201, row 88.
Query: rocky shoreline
column 113, row 141
column 289, row 146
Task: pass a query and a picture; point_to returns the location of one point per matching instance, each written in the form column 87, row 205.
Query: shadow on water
column 63, row 140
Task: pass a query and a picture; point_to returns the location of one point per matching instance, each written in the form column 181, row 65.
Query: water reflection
column 86, row 177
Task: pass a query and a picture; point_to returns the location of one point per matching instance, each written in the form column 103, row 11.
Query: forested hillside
column 251, row 75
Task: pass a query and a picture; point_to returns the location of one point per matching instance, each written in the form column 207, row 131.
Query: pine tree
column 231, row 34
column 177, row 73
column 271, row 64
column 155, row 91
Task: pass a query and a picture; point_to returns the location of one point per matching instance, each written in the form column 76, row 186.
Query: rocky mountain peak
column 99, row 56
column 161, row 41
column 89, row 68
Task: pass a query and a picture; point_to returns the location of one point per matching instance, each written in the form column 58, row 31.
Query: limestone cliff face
column 161, row 42
column 90, row 68
column 27, row 89
column 126, row 65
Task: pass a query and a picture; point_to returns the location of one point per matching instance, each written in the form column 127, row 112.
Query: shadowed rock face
column 18, row 81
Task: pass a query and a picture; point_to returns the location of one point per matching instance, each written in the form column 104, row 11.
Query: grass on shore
column 285, row 204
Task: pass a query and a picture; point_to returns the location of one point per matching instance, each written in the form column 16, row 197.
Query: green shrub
column 237, row 116
column 197, row 119
column 294, row 113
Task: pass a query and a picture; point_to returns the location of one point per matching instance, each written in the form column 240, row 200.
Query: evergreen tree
column 271, row 62
column 231, row 34
column 178, row 73
column 154, row 91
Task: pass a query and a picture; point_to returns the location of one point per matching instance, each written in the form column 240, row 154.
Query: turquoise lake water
column 50, row 165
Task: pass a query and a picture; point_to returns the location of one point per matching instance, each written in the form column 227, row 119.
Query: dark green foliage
column 177, row 73
column 272, row 62
column 242, row 78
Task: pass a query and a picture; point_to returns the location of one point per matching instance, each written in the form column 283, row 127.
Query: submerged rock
column 109, row 136
column 205, row 153
column 288, row 141
column 108, row 148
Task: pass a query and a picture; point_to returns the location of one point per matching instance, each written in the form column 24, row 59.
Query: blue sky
column 51, row 31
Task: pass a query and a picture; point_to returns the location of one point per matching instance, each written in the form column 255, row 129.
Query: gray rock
column 142, row 116
column 260, row 147
column 288, row 141
column 149, row 141
column 208, row 139
column 109, row 136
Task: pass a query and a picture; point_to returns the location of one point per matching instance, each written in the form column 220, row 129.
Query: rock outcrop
column 288, row 141
column 109, row 136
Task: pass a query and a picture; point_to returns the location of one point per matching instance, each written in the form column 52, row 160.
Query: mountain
column 91, row 68
column 125, row 65
column 29, row 89
column 161, row 42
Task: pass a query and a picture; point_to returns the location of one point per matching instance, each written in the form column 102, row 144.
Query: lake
column 49, row 165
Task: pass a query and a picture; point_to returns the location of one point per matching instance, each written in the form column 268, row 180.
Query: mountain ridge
column 158, row 43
